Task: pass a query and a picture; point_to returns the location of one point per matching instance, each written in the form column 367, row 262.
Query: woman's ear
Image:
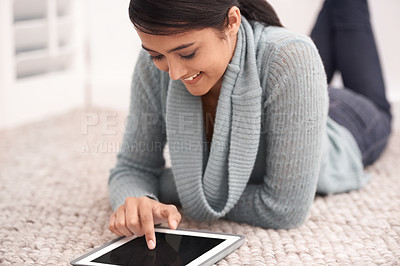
column 234, row 20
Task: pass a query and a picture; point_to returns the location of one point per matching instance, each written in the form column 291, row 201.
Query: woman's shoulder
column 274, row 44
column 278, row 38
column 284, row 56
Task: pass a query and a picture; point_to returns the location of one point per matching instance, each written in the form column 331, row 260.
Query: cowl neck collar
column 212, row 194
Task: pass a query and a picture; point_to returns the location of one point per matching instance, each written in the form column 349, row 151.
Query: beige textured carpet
column 54, row 205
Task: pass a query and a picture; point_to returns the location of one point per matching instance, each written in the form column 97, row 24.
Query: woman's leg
column 323, row 38
column 355, row 51
column 344, row 37
column 369, row 125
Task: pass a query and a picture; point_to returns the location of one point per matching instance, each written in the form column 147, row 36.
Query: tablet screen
column 170, row 250
column 174, row 247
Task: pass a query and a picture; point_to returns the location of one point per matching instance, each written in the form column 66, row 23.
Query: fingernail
column 152, row 245
column 174, row 224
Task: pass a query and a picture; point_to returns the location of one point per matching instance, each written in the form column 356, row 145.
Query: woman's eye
column 184, row 57
column 188, row 57
column 156, row 58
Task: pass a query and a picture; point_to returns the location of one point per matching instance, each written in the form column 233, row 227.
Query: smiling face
column 198, row 57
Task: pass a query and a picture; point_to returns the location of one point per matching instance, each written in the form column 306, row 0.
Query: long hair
column 163, row 17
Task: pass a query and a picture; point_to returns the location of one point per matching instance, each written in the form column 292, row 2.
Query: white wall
column 114, row 47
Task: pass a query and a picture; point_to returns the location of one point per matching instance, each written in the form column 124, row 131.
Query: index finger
column 147, row 223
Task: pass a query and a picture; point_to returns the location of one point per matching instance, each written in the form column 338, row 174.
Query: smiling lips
column 192, row 79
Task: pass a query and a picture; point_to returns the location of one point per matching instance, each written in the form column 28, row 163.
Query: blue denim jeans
column 344, row 38
column 369, row 125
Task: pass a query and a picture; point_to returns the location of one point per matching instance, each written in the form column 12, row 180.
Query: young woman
column 242, row 104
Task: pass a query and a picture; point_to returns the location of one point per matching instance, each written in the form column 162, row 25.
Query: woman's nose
column 176, row 70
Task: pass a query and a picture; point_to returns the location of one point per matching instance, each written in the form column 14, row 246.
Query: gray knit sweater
column 273, row 143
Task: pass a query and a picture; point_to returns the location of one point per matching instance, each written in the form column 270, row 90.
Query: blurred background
column 59, row 55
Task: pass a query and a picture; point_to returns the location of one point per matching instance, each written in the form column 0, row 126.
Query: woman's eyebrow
column 180, row 47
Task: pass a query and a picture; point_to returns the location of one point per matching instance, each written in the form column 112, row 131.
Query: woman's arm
column 295, row 120
column 140, row 160
column 133, row 183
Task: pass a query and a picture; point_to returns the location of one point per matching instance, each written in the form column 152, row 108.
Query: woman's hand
column 137, row 216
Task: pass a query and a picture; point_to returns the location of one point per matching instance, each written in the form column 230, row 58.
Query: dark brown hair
column 163, row 17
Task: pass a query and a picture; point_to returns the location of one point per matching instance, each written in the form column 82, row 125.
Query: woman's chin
column 196, row 92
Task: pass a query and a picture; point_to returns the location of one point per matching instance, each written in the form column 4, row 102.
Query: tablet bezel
column 230, row 243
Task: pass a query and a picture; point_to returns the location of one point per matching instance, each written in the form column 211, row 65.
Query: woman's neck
column 210, row 102
column 210, row 99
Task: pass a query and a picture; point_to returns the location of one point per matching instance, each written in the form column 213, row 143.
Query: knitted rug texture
column 54, row 202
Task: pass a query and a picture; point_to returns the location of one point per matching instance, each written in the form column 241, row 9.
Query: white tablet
column 174, row 247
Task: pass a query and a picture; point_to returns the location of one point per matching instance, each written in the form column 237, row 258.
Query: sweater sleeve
column 140, row 160
column 295, row 113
